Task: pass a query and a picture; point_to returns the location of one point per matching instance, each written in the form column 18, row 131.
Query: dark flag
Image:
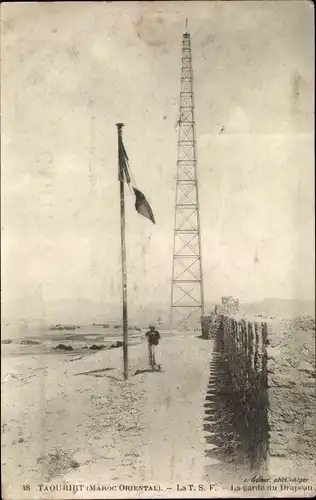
column 123, row 159
column 142, row 206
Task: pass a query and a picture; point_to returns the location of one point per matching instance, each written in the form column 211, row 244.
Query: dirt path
column 174, row 412
column 97, row 429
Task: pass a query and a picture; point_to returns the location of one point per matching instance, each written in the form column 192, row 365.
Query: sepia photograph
column 157, row 250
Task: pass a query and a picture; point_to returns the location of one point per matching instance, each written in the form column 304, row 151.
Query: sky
column 70, row 71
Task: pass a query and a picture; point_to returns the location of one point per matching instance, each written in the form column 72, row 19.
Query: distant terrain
column 280, row 308
column 82, row 311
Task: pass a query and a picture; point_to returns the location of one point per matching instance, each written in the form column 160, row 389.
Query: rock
column 277, row 452
column 81, row 457
column 288, row 417
column 274, row 353
column 306, row 367
column 74, row 464
column 64, row 347
column 29, row 342
column 310, row 382
column 281, row 382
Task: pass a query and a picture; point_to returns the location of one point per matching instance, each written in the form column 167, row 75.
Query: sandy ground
column 76, row 420
column 72, row 420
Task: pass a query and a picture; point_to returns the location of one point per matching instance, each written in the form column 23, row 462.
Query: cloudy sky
column 71, row 71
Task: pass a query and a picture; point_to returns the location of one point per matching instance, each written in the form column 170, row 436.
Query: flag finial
column 119, row 125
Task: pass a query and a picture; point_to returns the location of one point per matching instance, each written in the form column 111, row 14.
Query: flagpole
column 123, row 257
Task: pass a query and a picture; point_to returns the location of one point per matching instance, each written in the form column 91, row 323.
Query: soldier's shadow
column 147, row 370
column 95, row 373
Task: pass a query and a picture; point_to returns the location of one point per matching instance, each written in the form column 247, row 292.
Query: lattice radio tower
column 187, row 300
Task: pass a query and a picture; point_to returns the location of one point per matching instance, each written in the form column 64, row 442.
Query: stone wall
column 272, row 369
column 206, row 322
column 245, row 345
column 209, row 324
column 229, row 305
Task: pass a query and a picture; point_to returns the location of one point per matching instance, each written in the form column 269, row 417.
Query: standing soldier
column 153, row 337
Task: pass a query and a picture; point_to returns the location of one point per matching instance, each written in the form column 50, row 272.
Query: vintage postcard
column 158, row 293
